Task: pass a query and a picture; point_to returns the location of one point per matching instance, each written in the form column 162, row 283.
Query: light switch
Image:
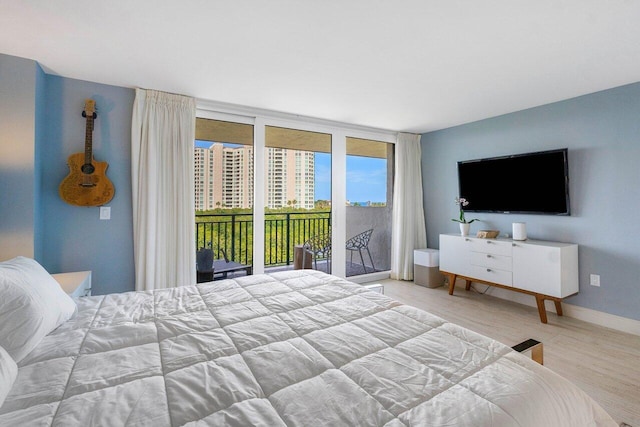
column 105, row 212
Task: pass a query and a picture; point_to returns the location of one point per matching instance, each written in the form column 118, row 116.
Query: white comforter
column 296, row 348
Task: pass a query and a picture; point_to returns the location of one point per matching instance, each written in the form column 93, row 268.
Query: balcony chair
column 319, row 247
column 204, row 265
column 358, row 243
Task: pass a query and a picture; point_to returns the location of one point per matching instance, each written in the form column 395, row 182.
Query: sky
column 366, row 177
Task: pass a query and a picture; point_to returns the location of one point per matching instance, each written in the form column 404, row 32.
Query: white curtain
column 162, row 138
column 408, row 226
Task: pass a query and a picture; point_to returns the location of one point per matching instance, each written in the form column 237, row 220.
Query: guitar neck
column 88, row 140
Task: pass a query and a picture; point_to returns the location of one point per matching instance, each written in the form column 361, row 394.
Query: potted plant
column 464, row 224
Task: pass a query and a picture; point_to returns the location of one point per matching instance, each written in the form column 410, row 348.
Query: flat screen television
column 530, row 183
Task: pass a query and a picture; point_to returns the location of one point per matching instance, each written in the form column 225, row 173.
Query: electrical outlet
column 595, row 280
column 105, row 212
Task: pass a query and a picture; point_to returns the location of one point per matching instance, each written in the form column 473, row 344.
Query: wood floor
column 603, row 362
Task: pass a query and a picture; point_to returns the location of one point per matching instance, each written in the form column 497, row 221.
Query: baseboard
column 619, row 323
column 601, row 318
column 369, row 277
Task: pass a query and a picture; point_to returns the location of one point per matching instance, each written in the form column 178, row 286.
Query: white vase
column 464, row 229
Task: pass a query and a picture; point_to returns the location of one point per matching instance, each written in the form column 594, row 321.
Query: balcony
column 233, row 234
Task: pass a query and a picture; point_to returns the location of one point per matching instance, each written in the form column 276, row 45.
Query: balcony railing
column 233, row 233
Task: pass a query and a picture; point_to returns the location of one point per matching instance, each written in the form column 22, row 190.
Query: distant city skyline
column 366, row 177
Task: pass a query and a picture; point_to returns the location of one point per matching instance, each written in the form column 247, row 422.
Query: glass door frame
column 339, row 133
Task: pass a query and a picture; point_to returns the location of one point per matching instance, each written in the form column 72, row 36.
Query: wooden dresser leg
column 452, row 282
column 558, row 307
column 467, row 285
column 541, row 309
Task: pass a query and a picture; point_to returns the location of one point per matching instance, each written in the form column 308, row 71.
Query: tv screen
column 532, row 183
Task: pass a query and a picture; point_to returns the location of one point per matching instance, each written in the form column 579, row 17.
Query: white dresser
column 546, row 270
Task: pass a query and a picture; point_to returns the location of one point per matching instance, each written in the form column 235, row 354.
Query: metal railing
column 233, row 234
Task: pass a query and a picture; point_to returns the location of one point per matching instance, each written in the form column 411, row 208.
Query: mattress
column 293, row 348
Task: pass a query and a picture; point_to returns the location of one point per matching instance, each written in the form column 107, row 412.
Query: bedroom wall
column 38, row 162
column 40, row 126
column 601, row 131
column 18, row 81
column 74, row 238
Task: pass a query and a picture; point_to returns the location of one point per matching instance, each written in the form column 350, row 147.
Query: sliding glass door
column 284, row 192
column 223, row 183
column 297, row 194
column 369, row 182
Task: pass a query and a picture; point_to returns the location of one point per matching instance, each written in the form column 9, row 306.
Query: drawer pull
column 488, row 256
column 488, row 270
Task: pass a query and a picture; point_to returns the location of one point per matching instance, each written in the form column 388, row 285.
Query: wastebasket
column 426, row 268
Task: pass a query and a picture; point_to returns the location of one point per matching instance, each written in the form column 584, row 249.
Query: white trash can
column 426, row 268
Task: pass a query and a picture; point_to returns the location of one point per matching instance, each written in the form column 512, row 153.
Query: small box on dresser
column 75, row 284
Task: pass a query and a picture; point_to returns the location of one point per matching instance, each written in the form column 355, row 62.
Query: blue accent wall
column 74, row 238
column 41, row 124
column 602, row 132
column 18, row 81
column 40, row 106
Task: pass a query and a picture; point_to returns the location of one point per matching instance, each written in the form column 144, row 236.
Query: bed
column 293, row 348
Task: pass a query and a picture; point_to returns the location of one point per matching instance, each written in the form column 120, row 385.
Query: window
column 369, row 183
column 368, row 172
column 285, row 182
column 224, row 188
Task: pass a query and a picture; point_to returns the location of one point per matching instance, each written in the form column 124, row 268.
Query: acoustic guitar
column 87, row 183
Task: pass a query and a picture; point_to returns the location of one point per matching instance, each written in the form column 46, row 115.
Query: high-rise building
column 304, row 182
column 224, row 177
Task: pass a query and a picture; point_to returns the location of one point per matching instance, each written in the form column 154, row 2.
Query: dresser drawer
column 492, row 275
column 501, row 262
column 491, row 246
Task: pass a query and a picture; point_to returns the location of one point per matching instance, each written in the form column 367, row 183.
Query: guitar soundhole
column 87, row 168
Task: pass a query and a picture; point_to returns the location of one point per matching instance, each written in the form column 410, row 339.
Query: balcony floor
column 352, row 269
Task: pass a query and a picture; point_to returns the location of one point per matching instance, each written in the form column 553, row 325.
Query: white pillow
column 8, row 374
column 32, row 305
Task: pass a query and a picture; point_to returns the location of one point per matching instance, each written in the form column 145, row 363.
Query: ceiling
column 406, row 65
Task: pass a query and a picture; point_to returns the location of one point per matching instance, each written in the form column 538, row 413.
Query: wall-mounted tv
column 531, row 183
